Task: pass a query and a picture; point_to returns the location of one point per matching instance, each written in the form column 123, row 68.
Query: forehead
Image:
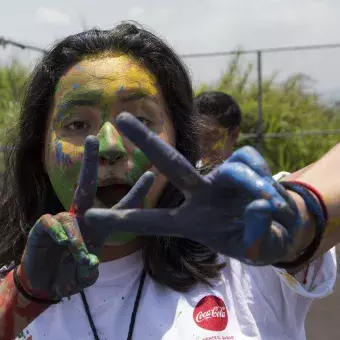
column 109, row 73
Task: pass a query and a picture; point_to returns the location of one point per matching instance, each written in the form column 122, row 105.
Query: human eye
column 144, row 120
column 77, row 125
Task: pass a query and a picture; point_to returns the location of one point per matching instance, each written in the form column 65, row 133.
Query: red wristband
column 318, row 195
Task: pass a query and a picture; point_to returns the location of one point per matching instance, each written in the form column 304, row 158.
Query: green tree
column 12, row 79
column 289, row 106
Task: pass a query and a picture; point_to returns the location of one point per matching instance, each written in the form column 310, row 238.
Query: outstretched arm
column 324, row 176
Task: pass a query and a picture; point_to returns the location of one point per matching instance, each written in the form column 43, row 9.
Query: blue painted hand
column 237, row 209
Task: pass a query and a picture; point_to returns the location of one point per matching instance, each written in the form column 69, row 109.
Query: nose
column 111, row 146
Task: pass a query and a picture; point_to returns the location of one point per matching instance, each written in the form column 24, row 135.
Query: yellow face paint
column 87, row 101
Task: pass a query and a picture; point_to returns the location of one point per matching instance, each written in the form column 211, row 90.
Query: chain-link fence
column 319, row 63
column 316, row 63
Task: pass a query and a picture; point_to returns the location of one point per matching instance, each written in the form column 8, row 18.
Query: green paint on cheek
column 64, row 181
column 121, row 237
column 140, row 165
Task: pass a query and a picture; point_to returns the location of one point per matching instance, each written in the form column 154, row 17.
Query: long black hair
column 27, row 192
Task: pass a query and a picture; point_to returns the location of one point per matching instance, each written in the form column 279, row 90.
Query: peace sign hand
column 237, row 209
column 61, row 255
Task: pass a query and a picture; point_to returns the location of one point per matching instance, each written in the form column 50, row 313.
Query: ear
column 234, row 133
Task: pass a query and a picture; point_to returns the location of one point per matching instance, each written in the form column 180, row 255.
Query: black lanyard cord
column 133, row 315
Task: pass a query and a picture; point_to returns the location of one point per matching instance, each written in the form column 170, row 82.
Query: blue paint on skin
column 59, row 152
column 61, row 157
column 230, row 210
column 61, row 110
column 258, row 216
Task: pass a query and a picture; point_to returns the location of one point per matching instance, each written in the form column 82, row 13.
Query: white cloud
column 52, row 16
column 135, row 12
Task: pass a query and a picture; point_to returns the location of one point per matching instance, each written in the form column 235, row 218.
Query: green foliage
column 289, row 106
column 12, row 79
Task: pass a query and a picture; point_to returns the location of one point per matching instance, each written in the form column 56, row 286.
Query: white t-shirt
column 245, row 302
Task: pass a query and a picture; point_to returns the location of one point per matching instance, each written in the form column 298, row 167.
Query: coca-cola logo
column 211, row 314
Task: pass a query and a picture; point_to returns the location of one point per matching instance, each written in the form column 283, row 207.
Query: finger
column 135, row 197
column 46, row 232
column 85, row 193
column 76, row 244
column 158, row 222
column 167, row 159
column 265, row 242
column 251, row 157
column 241, row 176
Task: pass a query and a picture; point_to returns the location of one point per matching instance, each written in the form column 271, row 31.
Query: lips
column 111, row 194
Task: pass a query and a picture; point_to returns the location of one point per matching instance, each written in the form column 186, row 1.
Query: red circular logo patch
column 211, row 314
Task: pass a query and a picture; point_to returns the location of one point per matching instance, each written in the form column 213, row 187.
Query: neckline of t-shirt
column 113, row 269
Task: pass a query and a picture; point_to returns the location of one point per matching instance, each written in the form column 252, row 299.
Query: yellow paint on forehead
column 110, row 73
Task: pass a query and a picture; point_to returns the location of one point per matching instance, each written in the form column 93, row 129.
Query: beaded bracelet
column 315, row 208
column 28, row 296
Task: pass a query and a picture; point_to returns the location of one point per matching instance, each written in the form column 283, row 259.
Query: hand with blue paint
column 61, row 255
column 237, row 209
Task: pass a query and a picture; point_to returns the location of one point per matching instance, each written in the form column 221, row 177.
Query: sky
column 194, row 26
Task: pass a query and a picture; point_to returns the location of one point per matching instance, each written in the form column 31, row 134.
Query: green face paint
column 64, row 183
column 94, row 83
column 140, row 165
column 119, row 238
column 64, row 171
column 110, row 144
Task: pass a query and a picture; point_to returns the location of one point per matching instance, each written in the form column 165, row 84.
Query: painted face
column 217, row 142
column 87, row 101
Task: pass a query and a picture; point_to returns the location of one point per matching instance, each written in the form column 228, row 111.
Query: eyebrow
column 94, row 97
column 80, row 98
column 135, row 95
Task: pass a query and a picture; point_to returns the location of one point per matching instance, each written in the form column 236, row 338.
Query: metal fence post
column 259, row 103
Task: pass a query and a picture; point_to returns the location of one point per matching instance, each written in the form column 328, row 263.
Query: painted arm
column 324, row 176
column 16, row 312
column 61, row 255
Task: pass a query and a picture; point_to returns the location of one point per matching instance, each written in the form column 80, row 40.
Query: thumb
column 134, row 198
column 265, row 241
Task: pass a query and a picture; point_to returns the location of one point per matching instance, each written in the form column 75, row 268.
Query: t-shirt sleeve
column 314, row 281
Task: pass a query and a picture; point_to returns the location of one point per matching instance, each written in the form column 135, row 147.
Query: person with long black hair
column 113, row 232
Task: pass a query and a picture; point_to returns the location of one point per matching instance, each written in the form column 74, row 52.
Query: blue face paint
column 61, row 157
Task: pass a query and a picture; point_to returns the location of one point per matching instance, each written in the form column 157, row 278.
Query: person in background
column 220, row 127
column 221, row 119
